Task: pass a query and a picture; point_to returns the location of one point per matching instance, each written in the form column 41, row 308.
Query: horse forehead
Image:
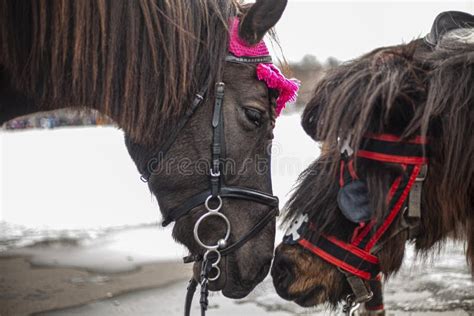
column 239, row 71
column 244, row 78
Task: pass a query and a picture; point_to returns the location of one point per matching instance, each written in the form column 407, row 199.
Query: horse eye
column 254, row 116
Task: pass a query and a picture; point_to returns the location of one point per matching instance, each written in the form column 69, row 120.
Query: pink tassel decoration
column 268, row 73
column 287, row 88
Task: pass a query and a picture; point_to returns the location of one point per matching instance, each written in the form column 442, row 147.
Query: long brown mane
column 408, row 90
column 139, row 62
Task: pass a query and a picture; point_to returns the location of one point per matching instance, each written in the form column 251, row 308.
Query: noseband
column 357, row 259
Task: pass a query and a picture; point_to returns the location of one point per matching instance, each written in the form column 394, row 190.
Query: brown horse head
column 380, row 116
column 142, row 63
column 180, row 176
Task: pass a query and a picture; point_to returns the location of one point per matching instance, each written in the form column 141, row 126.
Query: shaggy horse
column 142, row 63
column 398, row 129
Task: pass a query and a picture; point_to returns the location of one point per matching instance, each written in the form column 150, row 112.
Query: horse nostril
column 282, row 274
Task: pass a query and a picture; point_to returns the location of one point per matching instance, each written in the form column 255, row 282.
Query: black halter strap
column 217, row 153
column 217, row 188
column 216, row 178
column 233, row 192
column 218, row 141
column 154, row 162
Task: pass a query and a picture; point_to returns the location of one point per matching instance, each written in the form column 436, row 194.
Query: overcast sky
column 347, row 29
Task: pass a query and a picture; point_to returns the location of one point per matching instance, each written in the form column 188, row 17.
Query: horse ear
column 261, row 17
column 315, row 110
column 446, row 22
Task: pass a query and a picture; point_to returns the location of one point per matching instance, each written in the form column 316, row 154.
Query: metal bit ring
column 215, row 263
column 206, row 203
column 218, row 274
column 201, row 219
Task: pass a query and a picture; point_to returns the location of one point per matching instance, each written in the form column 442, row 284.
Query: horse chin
column 229, row 284
column 237, row 288
column 236, row 293
column 314, row 297
column 234, row 289
column 330, row 295
column 306, row 279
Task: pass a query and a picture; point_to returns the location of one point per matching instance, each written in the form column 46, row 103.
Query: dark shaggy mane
column 372, row 93
column 139, row 62
column 408, row 90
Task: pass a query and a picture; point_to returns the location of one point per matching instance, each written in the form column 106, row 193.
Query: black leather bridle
column 216, row 192
column 217, row 186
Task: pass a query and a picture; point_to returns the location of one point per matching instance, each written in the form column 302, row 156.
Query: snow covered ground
column 79, row 186
column 438, row 287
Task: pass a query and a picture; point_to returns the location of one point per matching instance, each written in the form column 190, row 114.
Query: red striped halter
column 357, row 258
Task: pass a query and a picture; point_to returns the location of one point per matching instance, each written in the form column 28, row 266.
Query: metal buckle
column 200, row 97
column 350, row 307
column 361, row 293
column 414, row 198
column 215, row 174
column 422, row 174
column 346, row 147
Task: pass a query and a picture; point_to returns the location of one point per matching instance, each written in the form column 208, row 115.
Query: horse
column 158, row 69
column 397, row 126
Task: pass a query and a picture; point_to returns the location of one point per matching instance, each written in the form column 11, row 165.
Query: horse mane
column 450, row 110
column 410, row 89
column 366, row 94
column 139, row 62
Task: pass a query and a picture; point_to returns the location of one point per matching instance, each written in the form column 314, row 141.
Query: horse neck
column 14, row 104
column 123, row 59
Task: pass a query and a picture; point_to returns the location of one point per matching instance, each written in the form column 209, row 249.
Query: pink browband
column 266, row 72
